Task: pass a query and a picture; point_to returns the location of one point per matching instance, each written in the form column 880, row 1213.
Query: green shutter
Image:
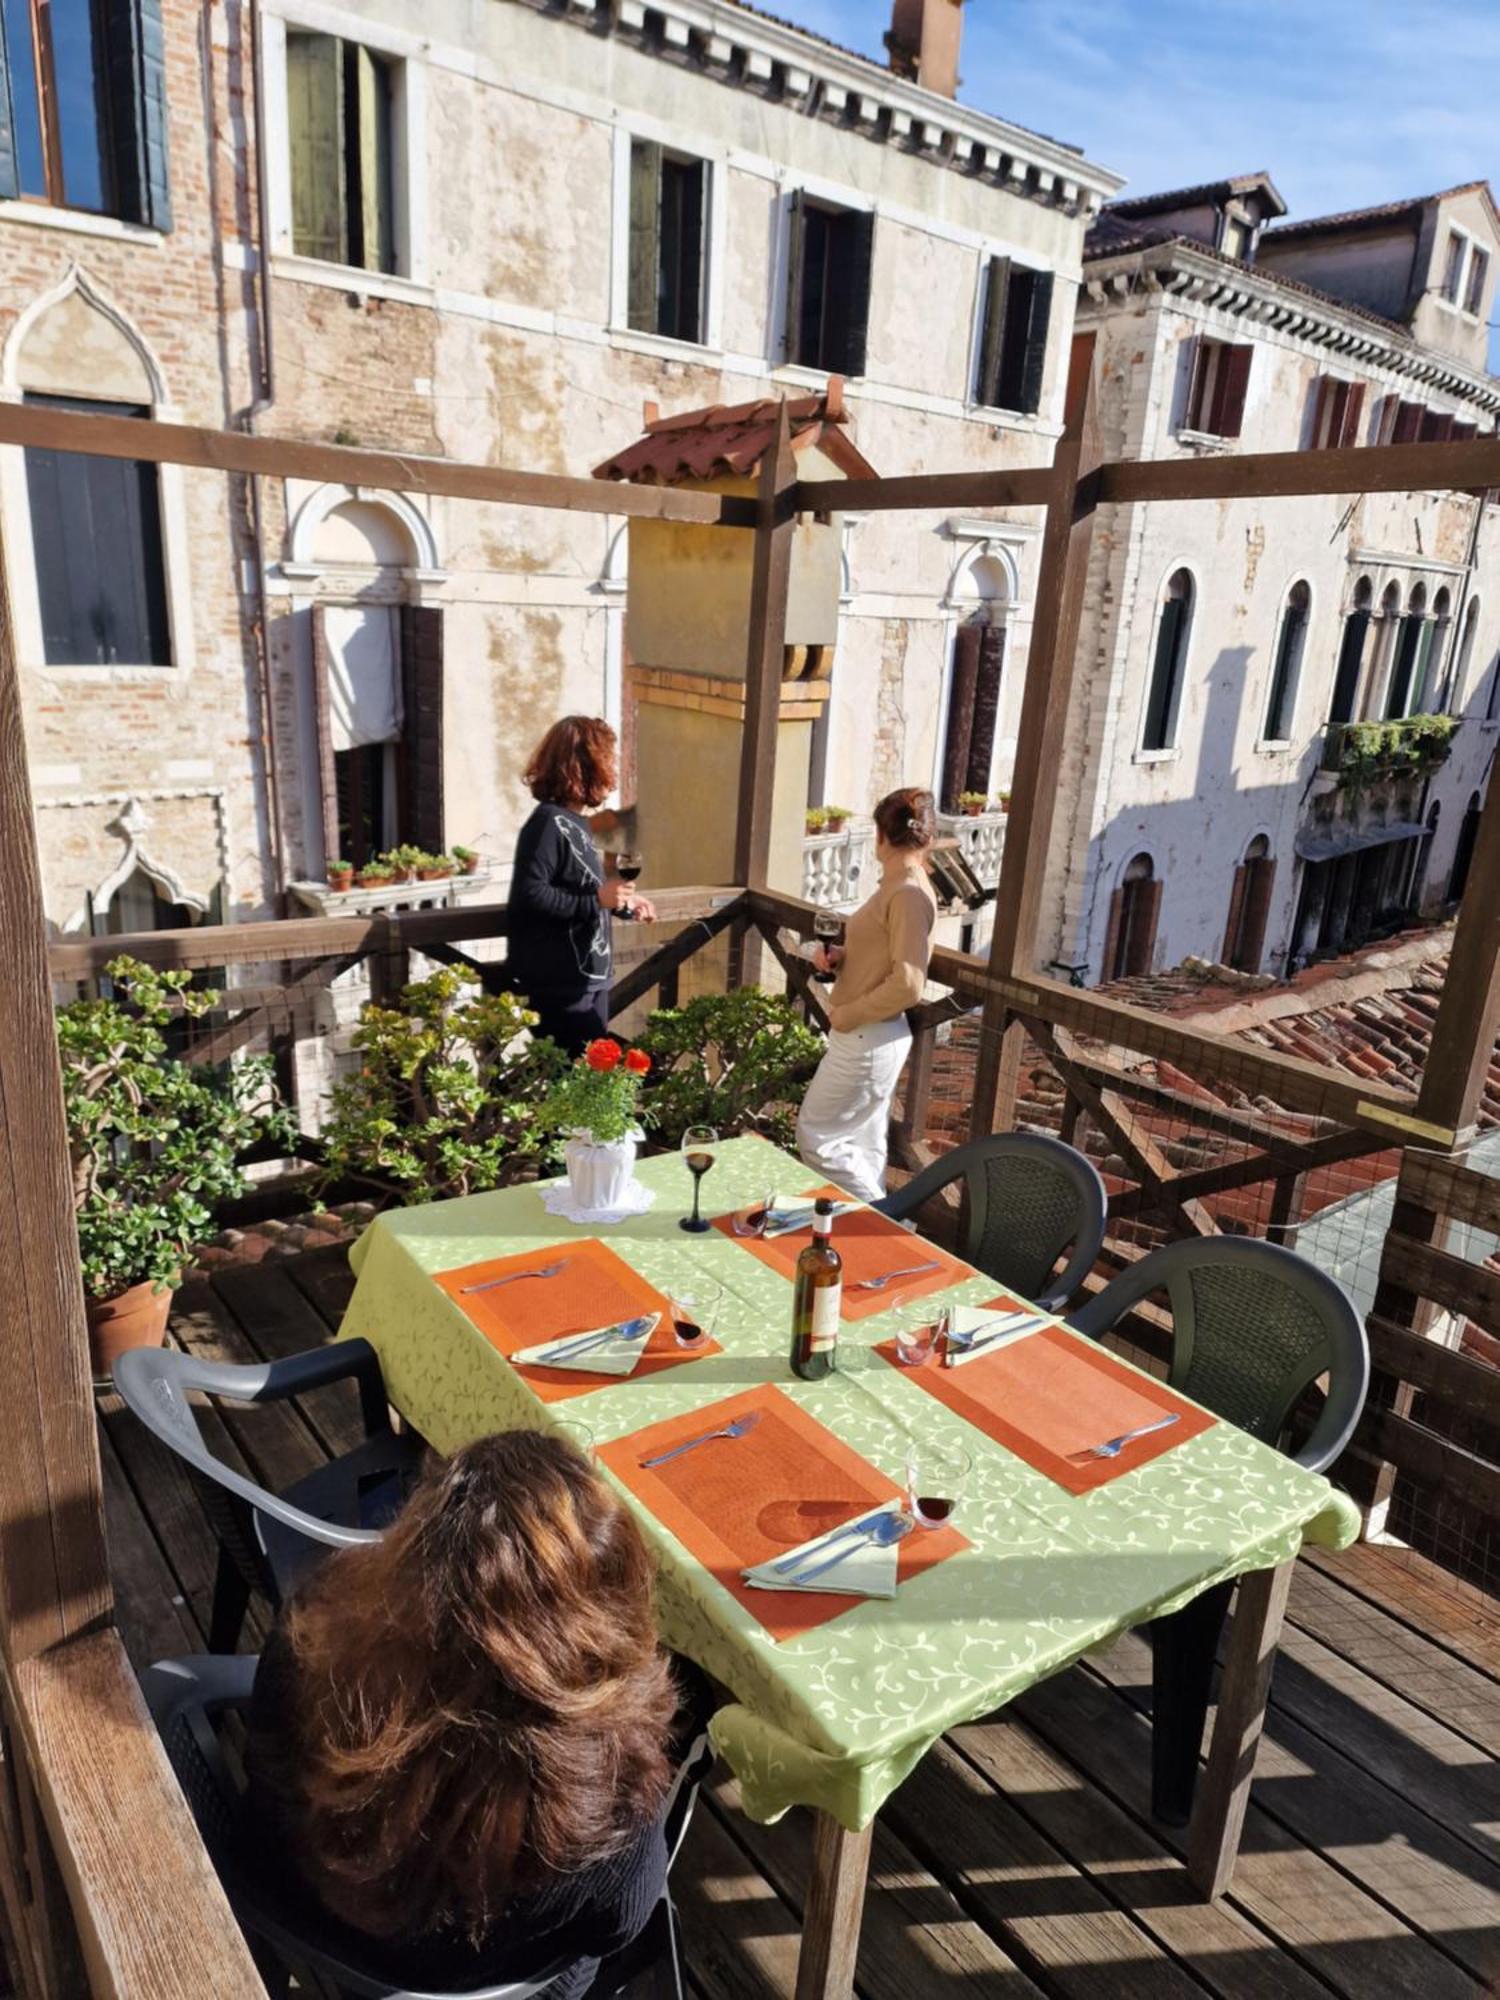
column 10, row 180
column 645, row 235
column 372, row 101
column 315, row 115
column 796, row 234
column 1034, row 362
column 1161, row 704
column 987, row 380
column 135, row 82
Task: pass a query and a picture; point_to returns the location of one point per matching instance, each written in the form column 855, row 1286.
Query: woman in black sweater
column 560, row 899
column 462, row 1736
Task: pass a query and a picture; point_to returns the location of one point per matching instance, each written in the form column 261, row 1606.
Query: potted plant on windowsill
column 1005, row 802
column 340, row 876
column 153, row 1144
column 434, row 867
column 836, row 818
column 374, row 875
column 594, row 1104
column 467, row 859
column 817, row 820
column 972, row 803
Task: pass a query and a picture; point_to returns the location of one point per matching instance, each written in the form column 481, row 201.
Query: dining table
column 1051, row 1551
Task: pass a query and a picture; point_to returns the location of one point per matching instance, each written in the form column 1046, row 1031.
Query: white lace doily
column 557, row 1199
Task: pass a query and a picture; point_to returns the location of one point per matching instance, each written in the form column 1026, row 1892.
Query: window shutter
column 1036, row 343
column 1260, row 879
column 315, row 112
column 1354, row 409
column 992, row 334
column 1110, row 969
column 795, row 246
column 10, row 179
column 962, row 689
column 1408, row 424
column 1160, row 703
column 373, row 135
column 986, row 707
column 135, row 81
column 1236, row 910
column 422, row 724
column 327, row 770
column 645, row 234
column 1197, row 416
column 1346, row 679
column 1229, row 391
column 1436, row 426
column 849, row 347
column 1323, row 394
column 688, row 318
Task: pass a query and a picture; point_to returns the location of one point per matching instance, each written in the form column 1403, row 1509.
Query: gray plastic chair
column 1253, row 1327
column 292, row 1938
column 268, row 1541
column 1028, row 1198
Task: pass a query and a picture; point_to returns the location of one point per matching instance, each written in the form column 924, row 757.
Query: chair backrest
column 1030, row 1198
column 1253, row 1327
column 185, row 1696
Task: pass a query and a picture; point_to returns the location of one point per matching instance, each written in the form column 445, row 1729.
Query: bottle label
column 825, row 1317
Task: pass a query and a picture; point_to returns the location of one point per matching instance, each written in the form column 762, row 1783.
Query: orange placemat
column 870, row 1245
column 595, row 1287
column 1054, row 1394
column 741, row 1501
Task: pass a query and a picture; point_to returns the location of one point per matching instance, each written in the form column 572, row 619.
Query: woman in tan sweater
column 882, row 969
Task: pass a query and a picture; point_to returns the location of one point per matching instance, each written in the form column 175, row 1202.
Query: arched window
column 1287, row 668
column 1134, row 908
column 1173, row 629
column 1250, row 907
column 142, row 903
column 1458, row 682
column 1463, row 853
column 1409, row 646
column 974, row 687
column 1351, row 653
column 1428, row 692
column 1421, row 854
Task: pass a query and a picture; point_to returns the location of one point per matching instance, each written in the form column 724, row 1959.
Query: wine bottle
column 816, row 1299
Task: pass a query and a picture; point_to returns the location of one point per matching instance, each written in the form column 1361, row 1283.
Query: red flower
column 602, row 1055
column 637, row 1062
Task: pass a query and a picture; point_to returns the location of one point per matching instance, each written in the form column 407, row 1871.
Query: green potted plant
column 593, row 1103
column 434, row 867
column 836, row 818
column 467, row 859
column 375, row 874
column 402, row 863
column 817, row 819
column 340, row 876
column 973, row 803
column 154, row 1143
column 737, row 1061
column 1005, row 802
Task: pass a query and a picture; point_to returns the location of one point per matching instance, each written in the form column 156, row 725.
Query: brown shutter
column 1229, row 391
column 328, row 787
column 422, row 724
column 987, row 381
column 986, row 707
column 796, row 226
column 1261, row 880
column 1236, row 910
column 1197, row 416
column 1108, row 969
column 1436, row 426
column 645, row 234
column 1324, row 388
column 315, row 112
column 963, row 686
column 1354, row 409
column 1144, row 917
column 1408, row 425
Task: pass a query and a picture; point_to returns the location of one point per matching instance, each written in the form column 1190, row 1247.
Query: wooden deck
column 1020, row 1858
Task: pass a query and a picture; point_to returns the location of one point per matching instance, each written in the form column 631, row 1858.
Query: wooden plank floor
column 1020, row 1858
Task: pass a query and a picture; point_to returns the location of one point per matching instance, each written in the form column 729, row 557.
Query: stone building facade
column 1215, row 803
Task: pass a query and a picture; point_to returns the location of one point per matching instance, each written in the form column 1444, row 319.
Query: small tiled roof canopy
column 730, row 440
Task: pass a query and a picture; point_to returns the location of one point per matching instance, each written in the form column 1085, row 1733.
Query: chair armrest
column 214, row 1680
column 296, row 1374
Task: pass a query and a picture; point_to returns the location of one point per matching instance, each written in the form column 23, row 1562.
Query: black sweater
column 559, row 935
column 581, row 1917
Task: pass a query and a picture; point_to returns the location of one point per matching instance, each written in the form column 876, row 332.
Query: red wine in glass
column 828, row 929
column 932, row 1510
column 688, row 1332
column 628, row 866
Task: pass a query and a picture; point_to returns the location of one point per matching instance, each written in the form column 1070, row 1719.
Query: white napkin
column 866, row 1571
column 784, row 1221
column 610, row 1357
column 994, row 1329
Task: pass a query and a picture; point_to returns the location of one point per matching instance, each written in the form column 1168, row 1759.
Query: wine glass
column 916, row 1334
column 628, row 865
column 700, row 1144
column 936, row 1476
column 695, row 1310
column 828, row 929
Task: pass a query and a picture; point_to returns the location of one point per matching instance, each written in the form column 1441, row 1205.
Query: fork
column 879, row 1284
column 489, row 1284
column 1112, row 1447
column 735, row 1430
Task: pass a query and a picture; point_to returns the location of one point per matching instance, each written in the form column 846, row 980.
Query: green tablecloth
column 837, row 1717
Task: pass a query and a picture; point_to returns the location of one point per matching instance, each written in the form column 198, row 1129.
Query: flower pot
column 835, row 825
column 470, row 864
column 403, row 875
column 972, row 812
column 600, row 1176
column 375, row 882
column 133, row 1318
column 433, row 874
column 340, row 880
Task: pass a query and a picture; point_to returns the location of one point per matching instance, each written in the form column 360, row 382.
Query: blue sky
column 1344, row 102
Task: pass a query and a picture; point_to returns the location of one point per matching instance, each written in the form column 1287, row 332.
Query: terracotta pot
column 433, row 874
column 340, row 879
column 376, row 882
column 835, row 825
column 403, row 874
column 134, row 1318
column 972, row 812
column 471, row 864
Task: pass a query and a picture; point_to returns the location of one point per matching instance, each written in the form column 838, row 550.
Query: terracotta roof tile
column 730, row 440
column 1385, row 211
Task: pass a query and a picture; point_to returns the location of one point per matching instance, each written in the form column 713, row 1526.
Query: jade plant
column 448, row 1096
column 737, row 1061
column 154, row 1143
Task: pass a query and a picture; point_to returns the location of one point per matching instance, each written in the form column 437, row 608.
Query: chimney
column 923, row 41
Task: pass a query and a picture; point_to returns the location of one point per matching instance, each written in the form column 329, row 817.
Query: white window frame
column 408, row 143
column 1469, row 248
column 1172, row 750
column 1049, row 407
column 834, row 195
column 715, row 236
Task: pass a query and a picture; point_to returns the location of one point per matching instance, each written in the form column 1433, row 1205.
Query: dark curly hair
column 574, row 764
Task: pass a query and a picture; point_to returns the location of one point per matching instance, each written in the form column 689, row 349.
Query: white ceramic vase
column 601, row 1176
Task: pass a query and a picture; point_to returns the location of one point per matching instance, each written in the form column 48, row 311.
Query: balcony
column 981, row 841
column 1362, row 754
column 838, row 868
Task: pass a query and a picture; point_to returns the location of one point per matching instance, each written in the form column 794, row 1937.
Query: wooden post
column 54, row 1574
column 1224, row 1789
column 765, row 658
column 835, row 1904
column 1061, row 580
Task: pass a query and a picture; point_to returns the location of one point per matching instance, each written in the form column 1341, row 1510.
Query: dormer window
column 1479, row 270
column 1453, row 269
column 1465, row 270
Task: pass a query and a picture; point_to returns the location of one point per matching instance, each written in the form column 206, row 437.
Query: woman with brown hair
column 461, row 1738
column 559, row 954
column 882, row 968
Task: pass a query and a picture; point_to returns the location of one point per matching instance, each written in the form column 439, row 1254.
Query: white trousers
column 841, row 1129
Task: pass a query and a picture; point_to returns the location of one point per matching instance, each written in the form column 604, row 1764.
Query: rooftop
column 730, row 440
column 1372, row 218
column 1259, row 182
